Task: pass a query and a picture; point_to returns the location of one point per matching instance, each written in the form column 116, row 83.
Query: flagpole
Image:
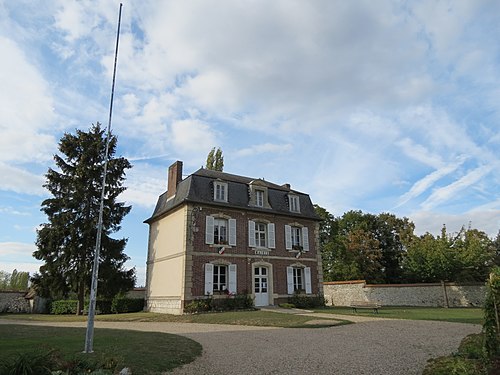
column 89, row 336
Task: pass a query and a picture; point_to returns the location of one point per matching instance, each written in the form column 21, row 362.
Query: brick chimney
column 174, row 177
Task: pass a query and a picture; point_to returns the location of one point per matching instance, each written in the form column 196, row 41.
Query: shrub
column 491, row 314
column 303, row 301
column 454, row 365
column 199, row 305
column 123, row 304
column 53, row 363
column 287, row 305
column 232, row 302
column 30, row 363
column 61, row 307
column 472, row 347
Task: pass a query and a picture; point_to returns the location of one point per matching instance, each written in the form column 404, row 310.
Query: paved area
column 372, row 347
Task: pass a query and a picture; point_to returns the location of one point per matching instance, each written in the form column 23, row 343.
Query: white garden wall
column 342, row 293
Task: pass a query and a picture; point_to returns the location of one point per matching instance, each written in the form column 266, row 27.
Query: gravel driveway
column 372, row 347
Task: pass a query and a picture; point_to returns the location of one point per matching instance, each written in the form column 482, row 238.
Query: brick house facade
column 218, row 233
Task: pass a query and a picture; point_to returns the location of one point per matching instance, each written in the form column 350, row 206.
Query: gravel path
column 371, row 348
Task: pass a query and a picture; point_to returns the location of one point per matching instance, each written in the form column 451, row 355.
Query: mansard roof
column 198, row 188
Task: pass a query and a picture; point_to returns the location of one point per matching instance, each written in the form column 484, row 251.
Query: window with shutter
column 232, row 232
column 251, row 233
column 220, row 279
column 289, row 280
column 209, row 230
column 288, row 237
column 260, row 235
column 271, row 242
column 232, row 279
column 307, row 279
column 305, row 239
column 209, row 286
column 220, row 231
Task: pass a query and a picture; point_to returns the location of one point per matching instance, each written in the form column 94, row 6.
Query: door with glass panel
column 261, row 286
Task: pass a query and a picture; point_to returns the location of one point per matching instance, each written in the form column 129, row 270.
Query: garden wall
column 14, row 302
column 342, row 293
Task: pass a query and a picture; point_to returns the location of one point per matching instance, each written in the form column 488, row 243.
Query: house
column 217, row 233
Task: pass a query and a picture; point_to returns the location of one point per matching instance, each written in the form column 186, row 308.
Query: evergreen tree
column 66, row 243
column 215, row 160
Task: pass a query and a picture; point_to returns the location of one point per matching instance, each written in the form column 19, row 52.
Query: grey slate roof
column 198, row 188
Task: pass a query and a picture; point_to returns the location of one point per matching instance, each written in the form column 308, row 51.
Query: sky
column 379, row 106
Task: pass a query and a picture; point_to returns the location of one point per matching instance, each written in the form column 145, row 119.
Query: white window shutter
column 209, row 230
column 209, row 278
column 288, row 237
column 307, row 277
column 232, row 232
column 251, row 233
column 271, row 238
column 232, row 278
column 289, row 279
column 305, row 238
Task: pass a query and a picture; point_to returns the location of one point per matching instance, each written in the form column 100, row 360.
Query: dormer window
column 293, row 201
column 259, row 198
column 258, row 194
column 220, row 191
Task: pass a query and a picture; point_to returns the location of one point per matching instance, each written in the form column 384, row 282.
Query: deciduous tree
column 215, row 160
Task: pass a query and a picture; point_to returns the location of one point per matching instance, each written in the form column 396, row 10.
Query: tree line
column 15, row 281
column 384, row 248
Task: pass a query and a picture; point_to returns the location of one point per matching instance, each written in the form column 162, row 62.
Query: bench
column 365, row 305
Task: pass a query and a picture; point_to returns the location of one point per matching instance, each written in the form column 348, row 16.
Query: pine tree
column 66, row 243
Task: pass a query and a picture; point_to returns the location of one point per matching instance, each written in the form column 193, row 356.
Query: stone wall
column 14, row 302
column 342, row 293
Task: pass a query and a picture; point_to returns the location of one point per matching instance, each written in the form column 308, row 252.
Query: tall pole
column 89, row 337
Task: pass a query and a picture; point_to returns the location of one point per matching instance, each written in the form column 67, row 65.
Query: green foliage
column 16, row 281
column 230, row 303
column 29, row 363
column 62, row 307
column 304, row 301
column 363, row 246
column 472, row 347
column 467, row 256
column 123, row 304
column 469, row 360
column 142, row 352
column 491, row 326
column 454, row 365
column 384, row 249
column 215, row 160
column 66, row 242
column 54, row 362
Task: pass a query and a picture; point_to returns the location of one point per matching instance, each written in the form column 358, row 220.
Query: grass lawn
column 143, row 352
column 249, row 318
column 458, row 315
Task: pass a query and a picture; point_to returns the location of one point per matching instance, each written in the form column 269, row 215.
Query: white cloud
column 193, row 138
column 144, row 184
column 16, row 248
column 426, row 182
column 445, row 193
column 27, row 108
column 21, row 180
column 264, row 149
column 486, row 219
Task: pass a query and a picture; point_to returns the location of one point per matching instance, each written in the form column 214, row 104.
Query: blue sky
column 386, row 106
